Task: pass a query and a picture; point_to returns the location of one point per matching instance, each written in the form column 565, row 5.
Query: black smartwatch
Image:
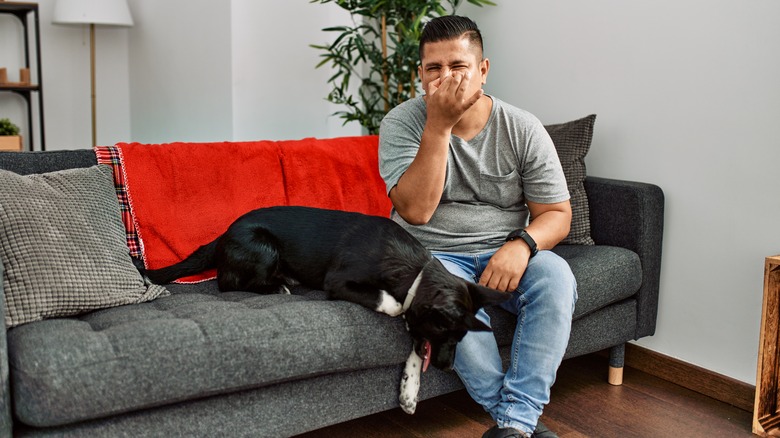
column 521, row 234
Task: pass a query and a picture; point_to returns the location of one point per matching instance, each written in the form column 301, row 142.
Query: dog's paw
column 284, row 290
column 408, row 406
column 410, row 387
column 389, row 305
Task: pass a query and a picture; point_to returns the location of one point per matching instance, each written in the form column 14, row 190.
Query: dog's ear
column 483, row 296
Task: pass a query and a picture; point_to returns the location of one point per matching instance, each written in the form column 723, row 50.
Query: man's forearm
column 419, row 190
column 551, row 226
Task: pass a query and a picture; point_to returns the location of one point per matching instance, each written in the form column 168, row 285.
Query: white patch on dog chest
column 388, row 304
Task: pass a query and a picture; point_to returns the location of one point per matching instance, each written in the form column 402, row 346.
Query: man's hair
column 450, row 27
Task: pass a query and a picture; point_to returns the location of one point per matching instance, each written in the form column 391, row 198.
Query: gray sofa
column 204, row 363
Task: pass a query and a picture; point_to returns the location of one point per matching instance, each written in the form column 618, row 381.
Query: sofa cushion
column 572, row 142
column 605, row 275
column 190, row 345
column 62, row 246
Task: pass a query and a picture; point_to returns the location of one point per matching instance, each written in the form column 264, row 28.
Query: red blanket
column 183, row 195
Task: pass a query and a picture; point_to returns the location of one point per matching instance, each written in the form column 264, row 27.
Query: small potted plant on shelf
column 10, row 140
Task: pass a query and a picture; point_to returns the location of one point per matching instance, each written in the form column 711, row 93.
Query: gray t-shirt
column 488, row 180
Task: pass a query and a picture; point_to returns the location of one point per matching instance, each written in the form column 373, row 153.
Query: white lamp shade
column 105, row 12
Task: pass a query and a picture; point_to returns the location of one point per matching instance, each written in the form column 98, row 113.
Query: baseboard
column 695, row 378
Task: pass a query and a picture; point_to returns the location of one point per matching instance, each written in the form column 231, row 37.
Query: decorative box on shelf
column 10, row 142
column 24, row 78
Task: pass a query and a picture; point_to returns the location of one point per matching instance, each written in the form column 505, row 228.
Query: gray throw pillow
column 572, row 142
column 63, row 247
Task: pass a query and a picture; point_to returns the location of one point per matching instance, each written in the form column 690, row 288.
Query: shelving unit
column 766, row 412
column 22, row 11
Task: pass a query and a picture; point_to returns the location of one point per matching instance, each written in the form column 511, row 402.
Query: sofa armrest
column 5, row 383
column 631, row 215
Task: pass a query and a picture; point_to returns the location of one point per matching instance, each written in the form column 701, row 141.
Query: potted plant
column 10, row 140
column 380, row 51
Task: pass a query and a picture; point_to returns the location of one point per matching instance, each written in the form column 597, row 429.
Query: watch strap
column 522, row 234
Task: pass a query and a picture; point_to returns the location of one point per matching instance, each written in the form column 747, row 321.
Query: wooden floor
column 583, row 405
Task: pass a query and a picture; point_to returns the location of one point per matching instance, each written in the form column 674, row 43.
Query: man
column 465, row 173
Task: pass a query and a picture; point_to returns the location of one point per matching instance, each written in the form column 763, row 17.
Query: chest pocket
column 503, row 191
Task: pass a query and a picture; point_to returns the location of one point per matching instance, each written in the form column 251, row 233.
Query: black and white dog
column 369, row 260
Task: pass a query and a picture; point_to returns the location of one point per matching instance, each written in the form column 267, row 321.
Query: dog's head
column 443, row 312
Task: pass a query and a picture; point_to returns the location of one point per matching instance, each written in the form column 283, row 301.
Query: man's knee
column 550, row 276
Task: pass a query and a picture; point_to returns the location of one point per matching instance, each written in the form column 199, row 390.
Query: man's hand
column 418, row 192
column 550, row 223
column 446, row 100
column 506, row 267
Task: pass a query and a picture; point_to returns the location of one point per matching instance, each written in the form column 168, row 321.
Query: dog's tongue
column 426, row 355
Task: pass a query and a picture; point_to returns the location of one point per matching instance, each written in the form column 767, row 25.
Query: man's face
column 453, row 57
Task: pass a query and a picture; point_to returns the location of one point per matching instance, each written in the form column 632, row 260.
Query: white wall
column 66, row 83
column 688, row 97
column 686, row 94
column 197, row 72
column 277, row 93
column 180, row 71
column 241, row 71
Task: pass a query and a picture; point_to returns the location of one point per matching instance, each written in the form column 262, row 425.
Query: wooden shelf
column 27, row 13
column 12, row 87
column 17, row 6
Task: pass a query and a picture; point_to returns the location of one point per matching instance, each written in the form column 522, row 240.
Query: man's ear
column 484, row 68
column 483, row 296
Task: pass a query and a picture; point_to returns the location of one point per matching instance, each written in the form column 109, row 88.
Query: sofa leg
column 617, row 355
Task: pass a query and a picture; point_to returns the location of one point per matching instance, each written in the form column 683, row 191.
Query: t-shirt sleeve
column 399, row 142
column 543, row 178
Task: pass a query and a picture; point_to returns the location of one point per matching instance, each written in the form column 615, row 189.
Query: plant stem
column 385, row 80
column 413, row 88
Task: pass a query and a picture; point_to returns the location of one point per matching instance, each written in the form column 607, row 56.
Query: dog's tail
column 197, row 262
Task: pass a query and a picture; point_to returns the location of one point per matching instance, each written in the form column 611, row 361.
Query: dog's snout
column 444, row 363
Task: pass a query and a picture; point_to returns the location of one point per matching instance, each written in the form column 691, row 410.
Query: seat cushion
column 605, row 275
column 192, row 344
column 198, row 342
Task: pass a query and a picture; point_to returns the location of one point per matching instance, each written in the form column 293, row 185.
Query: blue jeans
column 544, row 304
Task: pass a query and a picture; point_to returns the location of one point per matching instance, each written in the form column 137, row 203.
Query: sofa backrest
column 25, row 163
column 183, row 195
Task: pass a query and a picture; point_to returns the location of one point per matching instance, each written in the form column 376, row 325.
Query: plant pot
column 10, row 142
